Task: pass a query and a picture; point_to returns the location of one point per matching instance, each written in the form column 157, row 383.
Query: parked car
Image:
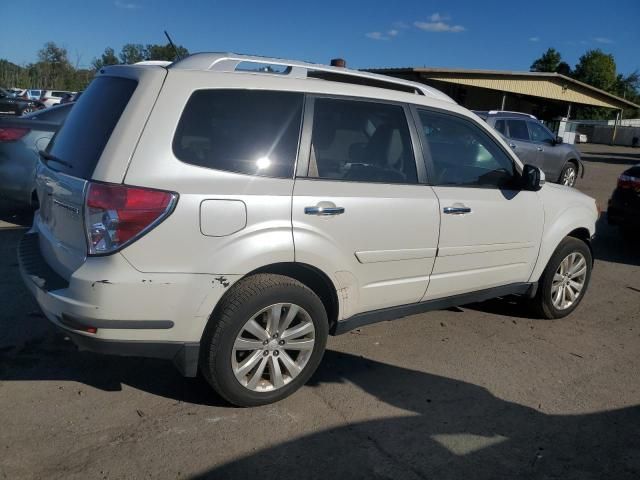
column 16, row 92
column 70, row 97
column 34, row 94
column 536, row 145
column 624, row 205
column 53, row 97
column 10, row 105
column 172, row 198
column 20, row 140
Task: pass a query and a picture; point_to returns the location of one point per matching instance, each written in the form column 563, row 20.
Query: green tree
column 165, row 52
column 53, row 68
column 563, row 68
column 627, row 87
column 132, row 53
column 107, row 58
column 548, row 62
column 597, row 69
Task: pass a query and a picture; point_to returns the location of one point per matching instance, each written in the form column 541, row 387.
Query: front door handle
column 512, row 145
column 457, row 210
column 324, row 209
column 540, row 149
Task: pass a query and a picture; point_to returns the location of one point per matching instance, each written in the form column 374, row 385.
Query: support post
column 569, row 112
column 504, row 101
column 615, row 127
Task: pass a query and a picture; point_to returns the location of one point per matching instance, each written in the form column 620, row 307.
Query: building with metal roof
column 548, row 96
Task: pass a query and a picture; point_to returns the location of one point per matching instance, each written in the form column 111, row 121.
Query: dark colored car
column 70, row 97
column 537, row 145
column 20, row 140
column 624, row 205
column 16, row 106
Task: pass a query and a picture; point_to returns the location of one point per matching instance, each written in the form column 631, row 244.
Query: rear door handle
column 324, row 209
column 512, row 145
column 540, row 149
column 457, row 210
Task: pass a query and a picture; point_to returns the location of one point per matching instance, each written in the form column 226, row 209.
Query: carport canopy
column 547, row 86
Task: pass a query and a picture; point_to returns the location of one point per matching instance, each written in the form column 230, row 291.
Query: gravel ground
column 481, row 391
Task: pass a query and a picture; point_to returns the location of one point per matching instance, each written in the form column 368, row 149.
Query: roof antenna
column 173, row 45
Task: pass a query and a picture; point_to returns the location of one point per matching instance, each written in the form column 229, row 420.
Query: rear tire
column 565, row 280
column 265, row 340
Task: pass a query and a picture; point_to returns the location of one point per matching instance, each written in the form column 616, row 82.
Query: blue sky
column 467, row 34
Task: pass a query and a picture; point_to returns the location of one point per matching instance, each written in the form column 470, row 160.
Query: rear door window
column 254, row 132
column 86, row 131
column 361, row 141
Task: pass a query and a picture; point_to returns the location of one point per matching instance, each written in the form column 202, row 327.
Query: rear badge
column 67, row 207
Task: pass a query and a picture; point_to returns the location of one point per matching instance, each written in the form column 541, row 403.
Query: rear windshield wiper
column 46, row 156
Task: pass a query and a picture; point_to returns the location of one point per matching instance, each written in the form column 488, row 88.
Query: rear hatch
column 95, row 143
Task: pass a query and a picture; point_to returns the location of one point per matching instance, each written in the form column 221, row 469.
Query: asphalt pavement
column 482, row 392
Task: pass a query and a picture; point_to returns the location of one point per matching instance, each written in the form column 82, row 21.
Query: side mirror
column 532, row 178
column 558, row 140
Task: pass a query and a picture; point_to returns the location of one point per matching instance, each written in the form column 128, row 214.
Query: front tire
column 565, row 280
column 569, row 174
column 264, row 341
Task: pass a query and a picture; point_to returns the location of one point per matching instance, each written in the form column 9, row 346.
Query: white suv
column 53, row 97
column 229, row 216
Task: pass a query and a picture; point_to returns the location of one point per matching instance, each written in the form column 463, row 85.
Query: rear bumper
column 107, row 306
column 183, row 354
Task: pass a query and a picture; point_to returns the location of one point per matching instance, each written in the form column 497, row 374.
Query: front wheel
column 565, row 280
column 569, row 175
column 265, row 341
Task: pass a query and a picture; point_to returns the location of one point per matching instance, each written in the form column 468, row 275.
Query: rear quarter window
column 87, row 129
column 253, row 132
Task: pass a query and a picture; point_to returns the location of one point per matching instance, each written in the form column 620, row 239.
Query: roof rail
column 508, row 112
column 231, row 62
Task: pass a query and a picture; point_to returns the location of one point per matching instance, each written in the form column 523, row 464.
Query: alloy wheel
column 569, row 177
column 273, row 347
column 568, row 281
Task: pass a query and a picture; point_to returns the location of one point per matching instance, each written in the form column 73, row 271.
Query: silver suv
column 228, row 212
column 536, row 145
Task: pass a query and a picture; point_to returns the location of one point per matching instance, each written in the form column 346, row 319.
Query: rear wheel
column 569, row 174
column 565, row 279
column 265, row 341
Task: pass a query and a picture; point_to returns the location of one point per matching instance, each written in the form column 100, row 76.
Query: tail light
column 628, row 181
column 12, row 134
column 117, row 215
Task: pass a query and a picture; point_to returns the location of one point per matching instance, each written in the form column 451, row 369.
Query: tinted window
column 501, row 126
column 86, row 131
column 539, row 133
column 462, row 154
column 361, row 142
column 518, row 129
column 244, row 131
